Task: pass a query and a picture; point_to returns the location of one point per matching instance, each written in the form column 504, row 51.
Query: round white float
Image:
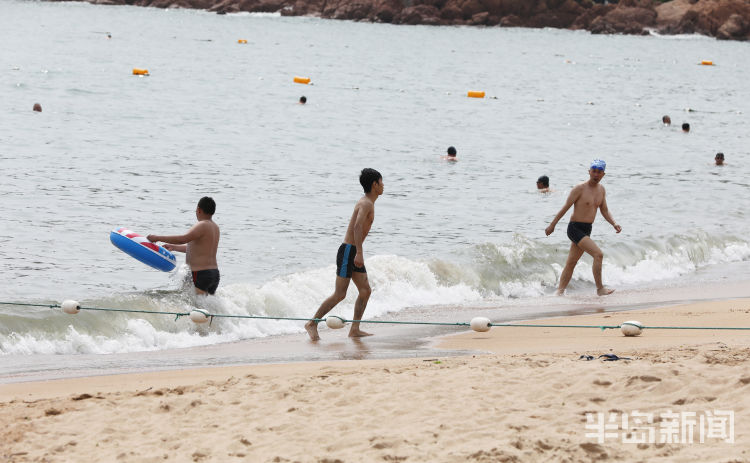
column 631, row 328
column 199, row 316
column 70, row 307
column 480, row 324
column 334, row 322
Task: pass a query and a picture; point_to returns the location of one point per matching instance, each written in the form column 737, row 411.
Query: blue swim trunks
column 345, row 261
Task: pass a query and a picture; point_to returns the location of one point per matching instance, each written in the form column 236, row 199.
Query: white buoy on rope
column 631, row 328
column 480, row 324
column 334, row 322
column 70, row 307
column 199, row 316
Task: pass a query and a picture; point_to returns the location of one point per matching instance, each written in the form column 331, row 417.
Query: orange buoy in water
column 301, row 80
column 241, row 41
column 707, row 63
column 140, row 72
column 473, row 94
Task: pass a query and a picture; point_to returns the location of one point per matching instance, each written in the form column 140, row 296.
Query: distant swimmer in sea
column 542, row 184
column 585, row 198
column 719, row 159
column 451, row 154
column 666, row 120
column 302, row 99
column 37, row 107
column 200, row 244
column 686, row 127
column 350, row 260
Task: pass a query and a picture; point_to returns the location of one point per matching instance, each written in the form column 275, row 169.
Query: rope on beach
column 481, row 324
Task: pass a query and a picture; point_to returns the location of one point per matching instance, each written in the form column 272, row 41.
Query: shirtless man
column 350, row 260
column 585, row 198
column 200, row 244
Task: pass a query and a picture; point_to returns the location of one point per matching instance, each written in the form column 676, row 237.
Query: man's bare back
column 359, row 227
column 201, row 252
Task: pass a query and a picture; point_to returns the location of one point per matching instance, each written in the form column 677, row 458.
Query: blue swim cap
column 598, row 164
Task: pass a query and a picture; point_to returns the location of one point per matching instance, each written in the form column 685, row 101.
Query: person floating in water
column 542, row 184
column 686, row 127
column 719, row 159
column 350, row 259
column 585, row 198
column 200, row 244
column 37, row 107
column 451, row 154
column 302, row 99
column 666, row 120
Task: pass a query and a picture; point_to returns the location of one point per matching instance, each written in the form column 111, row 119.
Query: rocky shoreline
column 723, row 19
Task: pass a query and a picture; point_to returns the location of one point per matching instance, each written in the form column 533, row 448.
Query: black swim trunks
column 345, row 261
column 207, row 280
column 577, row 230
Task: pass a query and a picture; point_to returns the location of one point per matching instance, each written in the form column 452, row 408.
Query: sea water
column 220, row 118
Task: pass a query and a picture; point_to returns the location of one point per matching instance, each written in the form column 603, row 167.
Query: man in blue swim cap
column 585, row 198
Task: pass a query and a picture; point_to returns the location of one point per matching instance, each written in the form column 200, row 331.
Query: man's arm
column 176, row 247
column 363, row 215
column 575, row 193
column 193, row 234
column 607, row 216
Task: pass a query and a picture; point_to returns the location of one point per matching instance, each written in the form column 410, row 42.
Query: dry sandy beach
column 523, row 396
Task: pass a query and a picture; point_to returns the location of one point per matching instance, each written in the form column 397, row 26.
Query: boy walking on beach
column 350, row 260
column 585, row 198
column 200, row 244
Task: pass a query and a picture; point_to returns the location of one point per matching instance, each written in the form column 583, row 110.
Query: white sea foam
column 521, row 269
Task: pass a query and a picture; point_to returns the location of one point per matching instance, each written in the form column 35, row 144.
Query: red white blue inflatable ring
column 142, row 249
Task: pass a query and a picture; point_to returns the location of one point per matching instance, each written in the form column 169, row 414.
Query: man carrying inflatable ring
column 199, row 244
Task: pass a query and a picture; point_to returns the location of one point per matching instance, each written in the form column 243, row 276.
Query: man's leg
column 588, row 245
column 342, row 284
column 363, row 286
column 574, row 254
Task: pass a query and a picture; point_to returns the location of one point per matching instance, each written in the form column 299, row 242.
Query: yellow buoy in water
column 241, row 41
column 707, row 63
column 140, row 72
column 301, row 80
column 473, row 94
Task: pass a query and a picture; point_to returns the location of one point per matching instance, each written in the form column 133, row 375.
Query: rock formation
column 724, row 19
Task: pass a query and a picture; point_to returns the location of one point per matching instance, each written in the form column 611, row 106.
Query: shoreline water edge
column 723, row 19
column 401, row 339
column 525, row 394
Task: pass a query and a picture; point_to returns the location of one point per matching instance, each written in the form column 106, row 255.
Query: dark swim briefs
column 345, row 261
column 577, row 230
column 207, row 280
